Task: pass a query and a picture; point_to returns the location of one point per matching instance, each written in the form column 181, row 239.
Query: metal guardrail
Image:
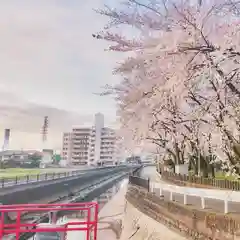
column 19, row 180
column 186, row 180
column 226, row 196
column 103, row 183
column 141, row 182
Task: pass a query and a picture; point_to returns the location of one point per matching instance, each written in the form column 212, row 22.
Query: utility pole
column 45, row 129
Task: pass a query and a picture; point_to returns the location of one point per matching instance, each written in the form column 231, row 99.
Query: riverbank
column 120, row 220
column 138, row 226
column 111, row 215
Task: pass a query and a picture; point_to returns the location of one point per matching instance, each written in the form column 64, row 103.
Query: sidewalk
column 111, row 215
column 195, row 201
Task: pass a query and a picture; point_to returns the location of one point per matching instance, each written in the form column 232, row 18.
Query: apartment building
column 81, row 138
column 90, row 146
column 66, row 146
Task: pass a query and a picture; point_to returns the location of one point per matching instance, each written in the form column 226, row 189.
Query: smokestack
column 44, row 132
column 6, row 139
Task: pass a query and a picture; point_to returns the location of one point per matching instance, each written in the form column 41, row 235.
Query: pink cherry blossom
column 180, row 86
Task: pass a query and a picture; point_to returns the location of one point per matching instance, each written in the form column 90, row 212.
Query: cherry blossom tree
column 181, row 80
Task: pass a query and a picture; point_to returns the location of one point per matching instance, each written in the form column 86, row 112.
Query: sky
column 51, row 66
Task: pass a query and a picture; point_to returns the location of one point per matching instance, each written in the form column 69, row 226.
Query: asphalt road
column 210, row 204
column 49, row 175
column 82, row 174
column 36, row 178
column 41, row 190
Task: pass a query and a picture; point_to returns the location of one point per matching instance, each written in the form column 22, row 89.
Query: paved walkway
column 210, row 204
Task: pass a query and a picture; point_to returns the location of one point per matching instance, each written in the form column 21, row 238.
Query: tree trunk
column 204, row 167
column 212, row 170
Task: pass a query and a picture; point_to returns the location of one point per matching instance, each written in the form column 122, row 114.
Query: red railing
column 88, row 222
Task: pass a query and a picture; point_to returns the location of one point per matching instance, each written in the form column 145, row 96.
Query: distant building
column 47, row 157
column 16, row 158
column 16, row 155
column 134, row 160
column 49, row 151
column 90, row 146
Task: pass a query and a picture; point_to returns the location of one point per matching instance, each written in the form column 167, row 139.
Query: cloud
column 25, row 119
column 48, row 54
column 51, row 65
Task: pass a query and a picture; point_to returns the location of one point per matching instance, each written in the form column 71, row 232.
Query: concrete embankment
column 85, row 196
column 137, row 225
column 45, row 192
column 119, row 219
column 111, row 216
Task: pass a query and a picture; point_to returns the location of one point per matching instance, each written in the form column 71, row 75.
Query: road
column 216, row 205
column 210, row 204
column 97, row 192
column 47, row 176
column 38, row 178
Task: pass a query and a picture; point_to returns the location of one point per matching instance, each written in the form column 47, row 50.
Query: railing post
column 16, row 180
column 27, row 178
column 2, row 182
column 171, row 196
column 226, row 206
column 160, row 192
column 203, row 202
column 37, row 177
column 185, row 199
column 148, row 184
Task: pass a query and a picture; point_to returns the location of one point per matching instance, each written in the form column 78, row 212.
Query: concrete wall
column 31, row 194
column 136, row 225
column 191, row 222
column 119, row 219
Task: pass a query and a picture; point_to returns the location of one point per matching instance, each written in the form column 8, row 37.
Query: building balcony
column 79, row 158
column 81, row 135
column 80, row 153
column 82, row 140
column 80, row 149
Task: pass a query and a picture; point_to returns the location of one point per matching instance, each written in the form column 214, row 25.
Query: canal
column 102, row 199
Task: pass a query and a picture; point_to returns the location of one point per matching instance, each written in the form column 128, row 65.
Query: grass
column 221, row 175
column 13, row 172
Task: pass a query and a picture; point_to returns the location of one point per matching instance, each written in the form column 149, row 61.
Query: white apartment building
column 90, row 146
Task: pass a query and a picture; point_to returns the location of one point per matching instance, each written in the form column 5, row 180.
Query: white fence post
column 171, row 196
column 151, row 187
column 185, row 199
column 203, row 202
column 202, row 194
column 226, row 206
column 160, row 192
